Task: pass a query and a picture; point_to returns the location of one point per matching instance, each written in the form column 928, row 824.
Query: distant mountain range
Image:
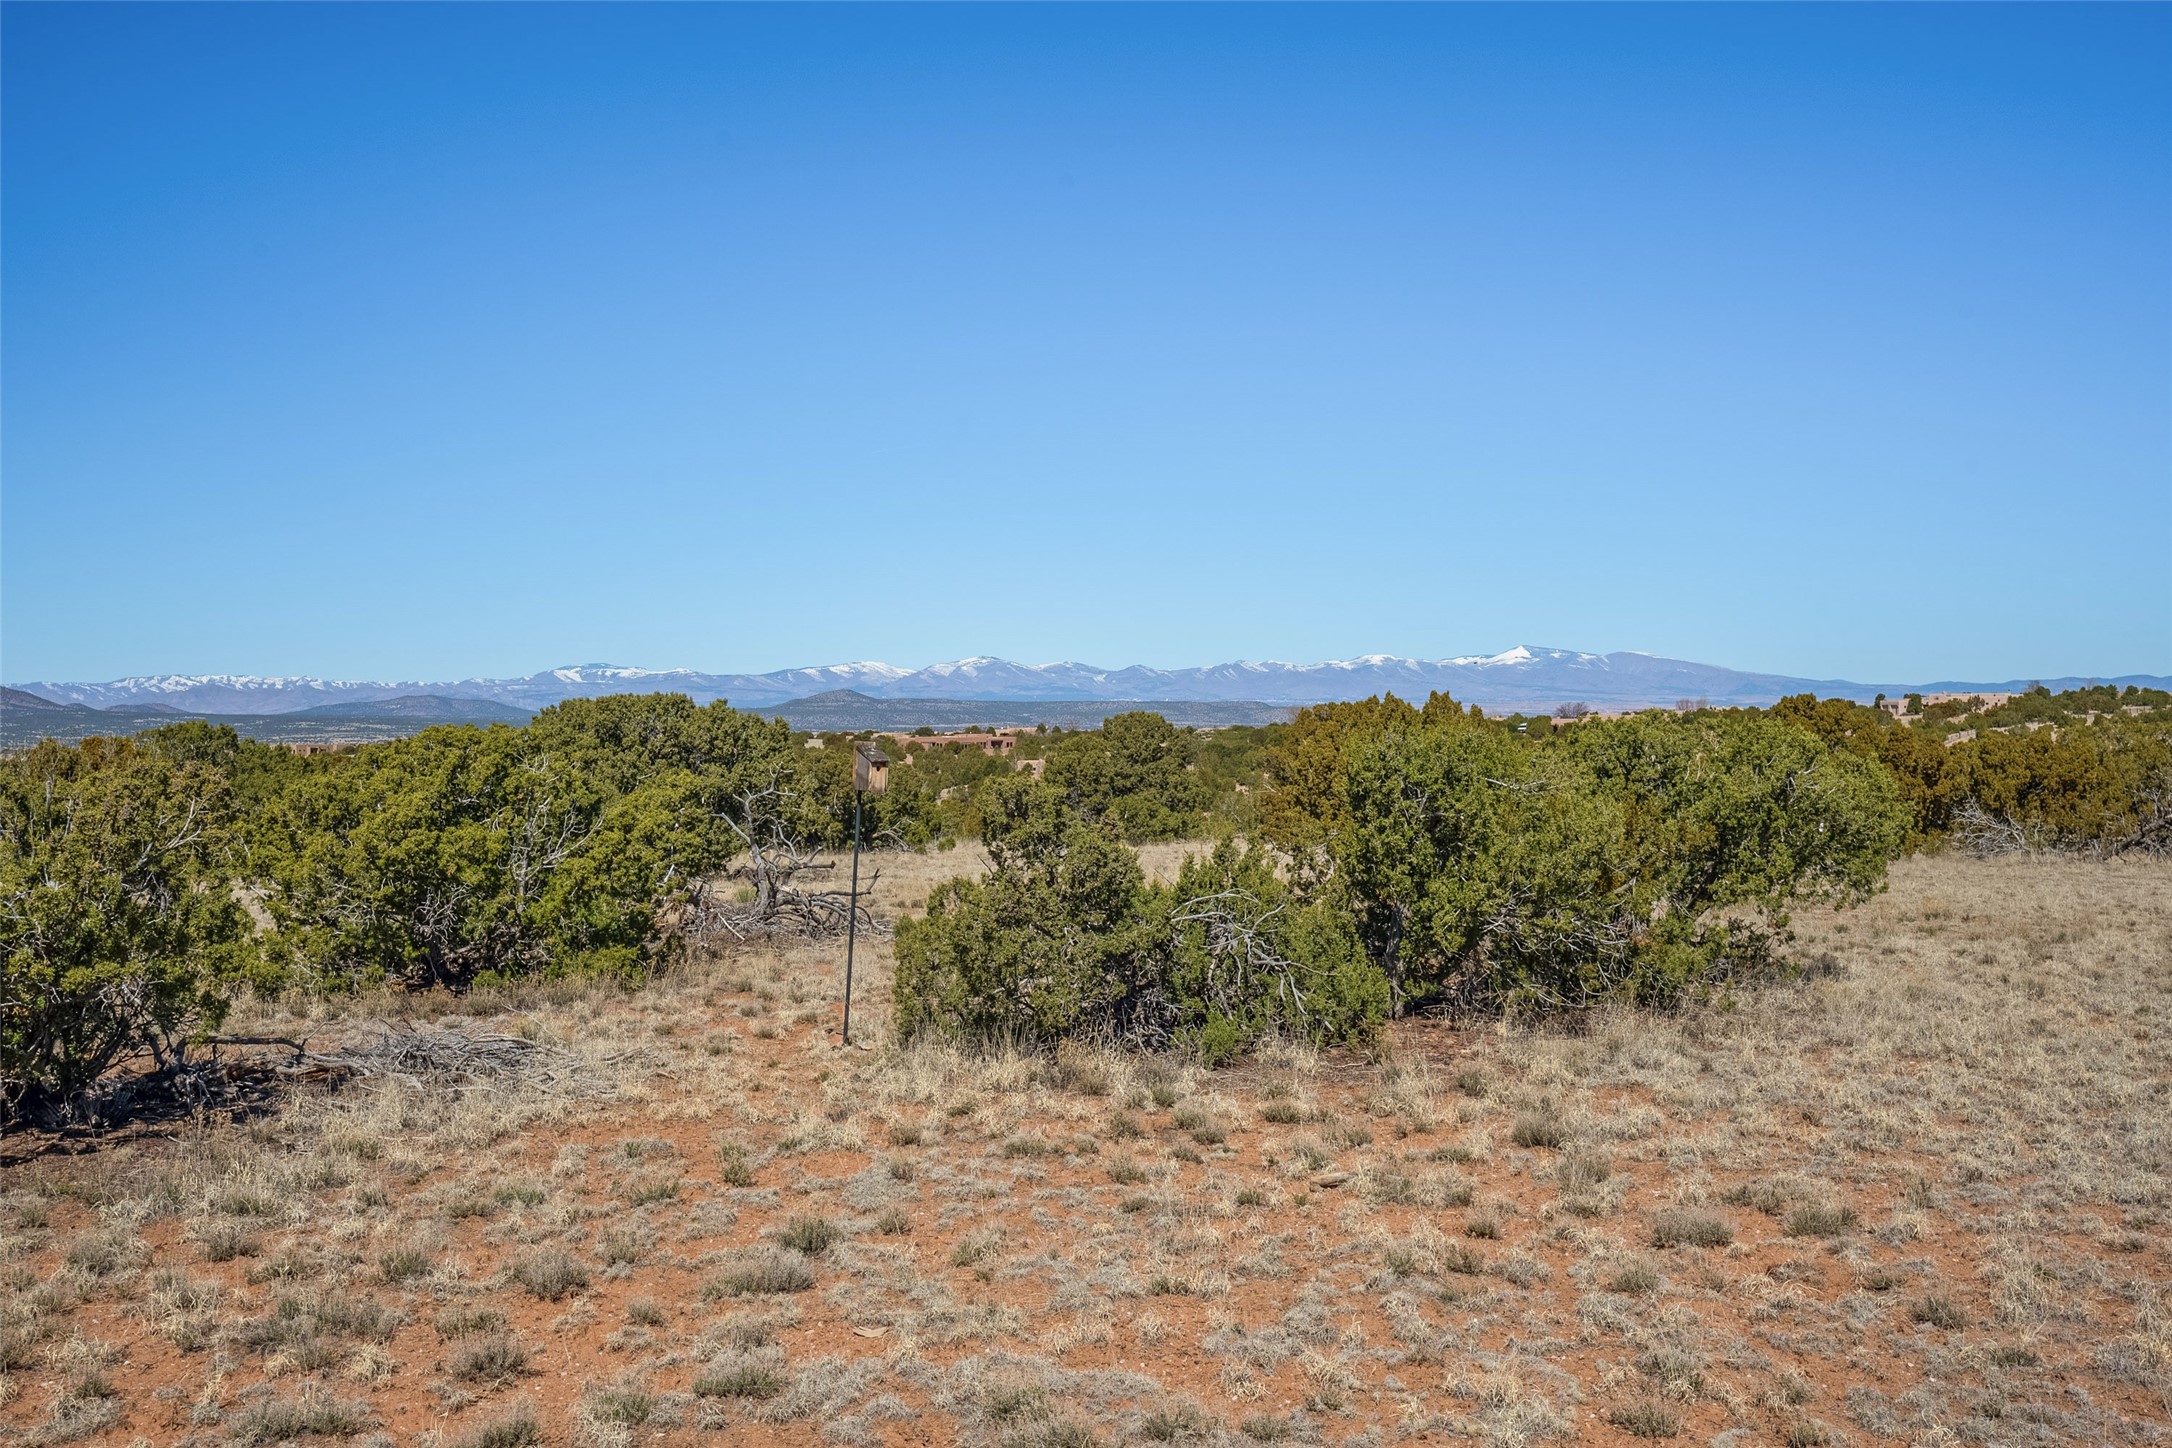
column 26, row 718
column 847, row 709
column 1525, row 678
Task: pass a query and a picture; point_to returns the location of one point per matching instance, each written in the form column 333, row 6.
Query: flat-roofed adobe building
column 1000, row 743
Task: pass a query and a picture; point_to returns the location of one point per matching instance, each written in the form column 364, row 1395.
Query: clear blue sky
column 427, row 341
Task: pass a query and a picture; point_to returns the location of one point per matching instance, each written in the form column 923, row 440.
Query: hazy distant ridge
column 1521, row 678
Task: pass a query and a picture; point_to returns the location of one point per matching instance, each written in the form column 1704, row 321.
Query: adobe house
column 1001, row 743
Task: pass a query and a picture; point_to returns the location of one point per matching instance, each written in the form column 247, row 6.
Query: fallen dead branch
column 771, row 896
column 419, row 1055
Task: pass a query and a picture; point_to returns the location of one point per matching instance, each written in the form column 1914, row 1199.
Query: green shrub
column 1052, row 943
column 466, row 856
column 1065, row 938
column 1132, row 773
column 2106, row 784
column 1600, row 863
column 119, row 935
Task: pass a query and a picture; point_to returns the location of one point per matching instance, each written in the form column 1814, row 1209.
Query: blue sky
column 432, row 341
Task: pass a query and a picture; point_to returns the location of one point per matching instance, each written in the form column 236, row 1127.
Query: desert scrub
column 974, row 1248
column 288, row 1266
column 652, row 1191
column 550, row 1273
column 625, row 1405
column 1681, row 1227
column 1177, row 1422
column 296, row 1322
column 1457, row 1258
column 101, row 1254
column 741, row 1375
column 1820, row 1219
column 1939, row 1311
column 459, row 1322
column 1646, row 1420
column 402, row 1264
column 1582, row 1171
column 19, row 1346
column 1006, row 1404
column 1539, row 1127
column 224, row 1241
column 811, row 1236
column 517, row 1429
column 312, row 1415
column 762, row 1273
column 1076, row 1069
column 623, row 1246
column 732, row 1165
column 495, row 1359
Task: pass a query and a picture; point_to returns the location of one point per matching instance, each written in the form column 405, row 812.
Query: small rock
column 1331, row 1178
column 869, row 1331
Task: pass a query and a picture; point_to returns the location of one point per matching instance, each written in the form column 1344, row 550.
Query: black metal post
column 852, row 914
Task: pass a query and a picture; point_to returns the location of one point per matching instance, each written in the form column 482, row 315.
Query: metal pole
column 852, row 916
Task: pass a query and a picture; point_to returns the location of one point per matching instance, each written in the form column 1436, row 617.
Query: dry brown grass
column 1919, row 1195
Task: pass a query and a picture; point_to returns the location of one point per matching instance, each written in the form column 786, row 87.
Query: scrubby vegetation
column 1378, row 858
column 1065, row 937
column 1432, row 855
column 1916, row 1195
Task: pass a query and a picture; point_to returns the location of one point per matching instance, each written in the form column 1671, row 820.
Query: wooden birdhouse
column 870, row 769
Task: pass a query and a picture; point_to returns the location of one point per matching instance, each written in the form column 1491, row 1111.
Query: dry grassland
column 1919, row 1196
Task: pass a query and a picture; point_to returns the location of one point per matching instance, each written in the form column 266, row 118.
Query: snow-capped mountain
column 222, row 693
column 1525, row 677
